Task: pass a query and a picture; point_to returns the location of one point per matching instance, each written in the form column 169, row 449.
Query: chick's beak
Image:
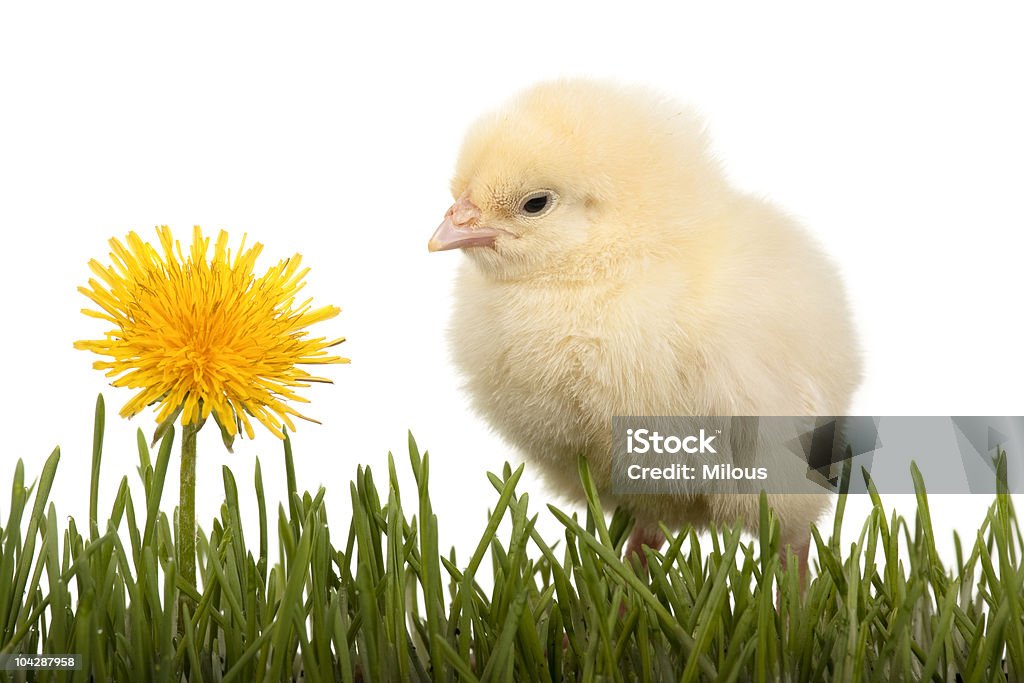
column 461, row 229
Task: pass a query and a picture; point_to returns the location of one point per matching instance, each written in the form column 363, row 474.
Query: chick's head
column 575, row 173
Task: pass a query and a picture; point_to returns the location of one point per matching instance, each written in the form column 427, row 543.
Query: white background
column 893, row 132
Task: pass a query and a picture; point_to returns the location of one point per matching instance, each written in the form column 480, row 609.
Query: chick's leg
column 800, row 550
column 643, row 536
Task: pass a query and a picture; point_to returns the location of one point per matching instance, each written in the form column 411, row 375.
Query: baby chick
column 612, row 270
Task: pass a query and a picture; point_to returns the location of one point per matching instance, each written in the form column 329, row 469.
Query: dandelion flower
column 200, row 336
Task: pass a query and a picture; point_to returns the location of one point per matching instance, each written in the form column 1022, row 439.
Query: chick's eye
column 537, row 203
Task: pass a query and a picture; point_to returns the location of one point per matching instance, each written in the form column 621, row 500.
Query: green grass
column 379, row 601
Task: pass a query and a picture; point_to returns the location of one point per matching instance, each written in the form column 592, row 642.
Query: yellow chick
column 612, row 270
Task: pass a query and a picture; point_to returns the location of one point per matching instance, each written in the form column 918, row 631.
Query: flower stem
column 187, row 504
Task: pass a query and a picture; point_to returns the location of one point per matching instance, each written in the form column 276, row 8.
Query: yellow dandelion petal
column 201, row 332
